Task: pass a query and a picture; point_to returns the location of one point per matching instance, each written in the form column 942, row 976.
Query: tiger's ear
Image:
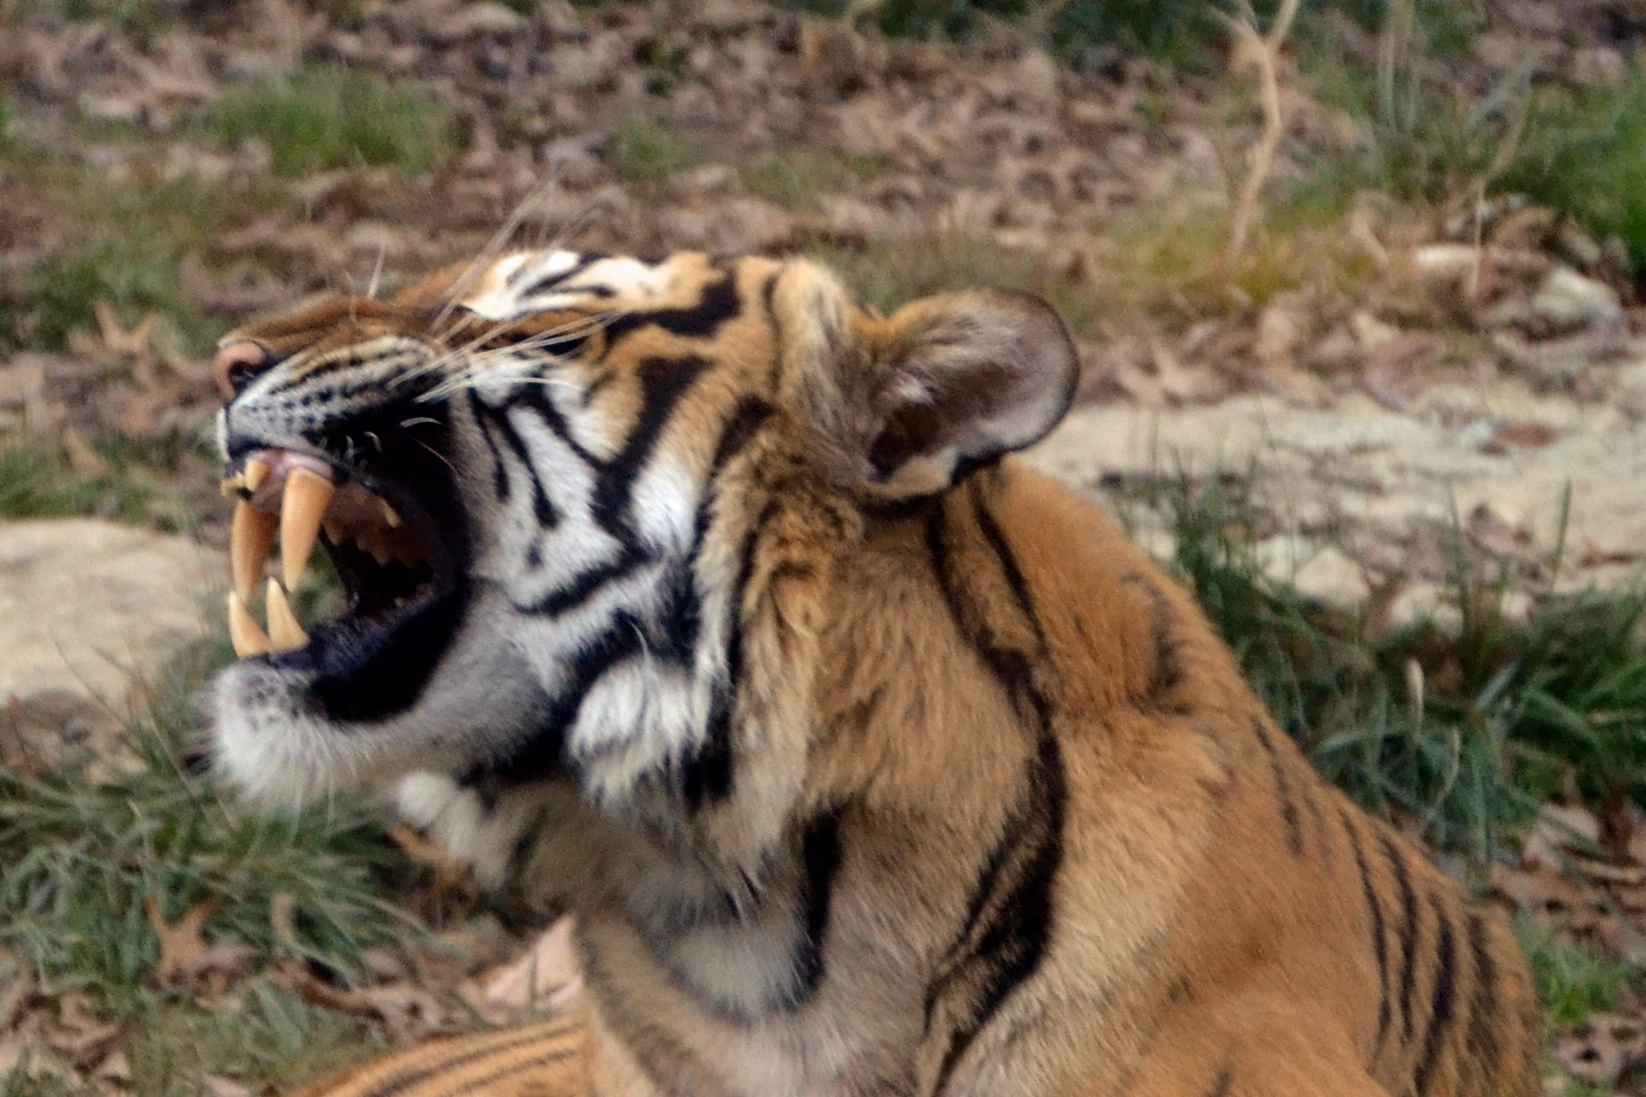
column 964, row 378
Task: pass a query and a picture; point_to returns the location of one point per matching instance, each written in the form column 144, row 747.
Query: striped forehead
column 542, row 281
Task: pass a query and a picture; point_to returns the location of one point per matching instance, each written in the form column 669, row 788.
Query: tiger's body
column 871, row 761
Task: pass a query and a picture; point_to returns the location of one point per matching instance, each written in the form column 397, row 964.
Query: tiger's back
column 871, row 761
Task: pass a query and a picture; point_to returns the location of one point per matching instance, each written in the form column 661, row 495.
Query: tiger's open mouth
column 380, row 536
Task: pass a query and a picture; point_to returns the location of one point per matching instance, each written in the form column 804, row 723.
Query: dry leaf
column 185, row 957
column 1599, row 1051
column 549, row 965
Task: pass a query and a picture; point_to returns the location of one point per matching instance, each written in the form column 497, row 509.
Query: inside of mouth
column 384, row 555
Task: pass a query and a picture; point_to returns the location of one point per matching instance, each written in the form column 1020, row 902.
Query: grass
column 124, row 242
column 1583, row 154
column 1177, row 34
column 1166, row 263
column 1505, row 710
column 260, row 1034
column 797, row 179
column 83, row 859
column 646, row 155
column 1572, row 981
column 327, row 117
column 36, row 482
column 889, row 273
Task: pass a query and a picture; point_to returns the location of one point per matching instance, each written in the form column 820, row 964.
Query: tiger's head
column 585, row 511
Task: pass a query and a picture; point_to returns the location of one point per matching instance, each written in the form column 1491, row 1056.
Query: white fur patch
column 510, row 287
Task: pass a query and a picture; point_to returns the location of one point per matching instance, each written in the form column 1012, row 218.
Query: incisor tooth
column 284, row 630
column 250, row 538
column 301, row 510
column 257, row 470
column 245, row 633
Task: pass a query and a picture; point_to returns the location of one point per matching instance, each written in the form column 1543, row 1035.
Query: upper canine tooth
column 301, row 510
column 250, row 538
column 246, row 634
column 284, row 630
column 390, row 515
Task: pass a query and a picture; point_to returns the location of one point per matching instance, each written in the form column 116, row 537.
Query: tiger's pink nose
column 237, row 365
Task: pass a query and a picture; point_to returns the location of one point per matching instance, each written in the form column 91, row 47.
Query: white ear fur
column 967, row 377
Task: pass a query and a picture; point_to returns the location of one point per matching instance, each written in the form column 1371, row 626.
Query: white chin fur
column 272, row 744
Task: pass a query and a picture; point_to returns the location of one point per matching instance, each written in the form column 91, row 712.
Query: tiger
column 696, row 597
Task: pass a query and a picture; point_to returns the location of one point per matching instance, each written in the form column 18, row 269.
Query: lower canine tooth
column 301, row 509
column 284, row 630
column 257, row 470
column 250, row 538
column 245, row 633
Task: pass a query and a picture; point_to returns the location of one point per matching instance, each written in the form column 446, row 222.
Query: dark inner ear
column 916, row 428
column 905, row 435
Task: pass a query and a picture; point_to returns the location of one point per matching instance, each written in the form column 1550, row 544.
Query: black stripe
column 663, row 382
column 1168, row 666
column 682, row 613
column 1483, row 1041
column 401, row 1080
column 1283, row 786
column 708, row 773
column 1440, row 1006
column 1380, row 948
column 1007, row 560
column 586, row 584
column 1220, row 1085
column 820, row 854
column 1408, row 933
column 554, row 420
column 985, row 889
column 525, row 842
column 500, row 474
column 719, row 303
column 1009, row 919
column 543, row 510
column 348, row 360
column 538, row 756
column 1013, row 943
column 583, row 263
column 486, row 1082
column 768, row 292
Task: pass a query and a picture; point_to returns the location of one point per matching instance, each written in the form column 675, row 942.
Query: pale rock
column 1281, row 330
column 1037, row 76
column 90, row 607
column 475, row 20
column 1331, row 576
column 1369, row 331
column 1567, row 297
column 1420, row 603
column 1599, row 66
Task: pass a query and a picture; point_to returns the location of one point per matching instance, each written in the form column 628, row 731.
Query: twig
column 1264, row 51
